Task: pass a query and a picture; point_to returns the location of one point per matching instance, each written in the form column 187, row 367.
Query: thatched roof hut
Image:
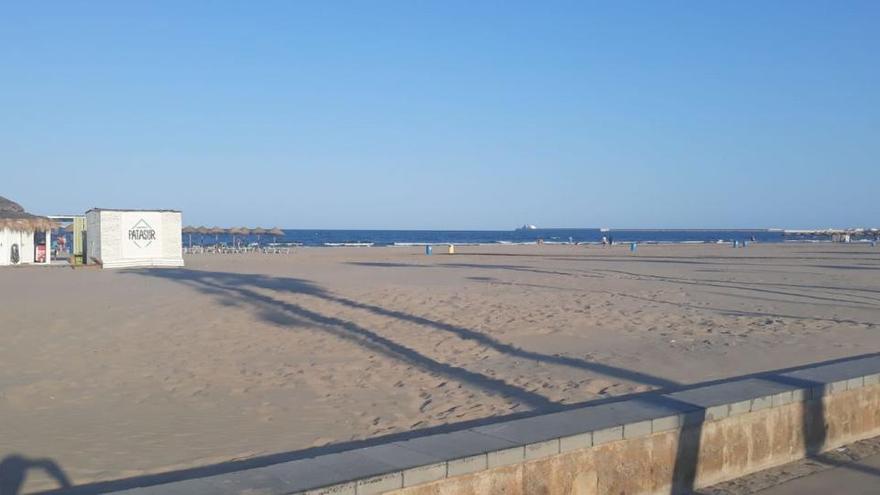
column 13, row 217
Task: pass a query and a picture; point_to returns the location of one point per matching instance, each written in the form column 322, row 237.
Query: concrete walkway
column 857, row 478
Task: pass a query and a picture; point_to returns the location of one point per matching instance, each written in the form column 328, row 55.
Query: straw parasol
column 217, row 231
column 202, row 231
column 189, row 230
column 276, row 232
column 242, row 231
column 13, row 217
column 258, row 231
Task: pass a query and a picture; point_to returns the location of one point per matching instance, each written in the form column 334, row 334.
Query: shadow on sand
column 258, row 293
column 14, row 470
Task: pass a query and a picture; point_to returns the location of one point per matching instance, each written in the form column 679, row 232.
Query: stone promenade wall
column 652, row 443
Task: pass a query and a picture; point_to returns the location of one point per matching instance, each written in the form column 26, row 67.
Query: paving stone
column 465, row 443
column 424, row 474
column 536, row 429
column 256, row 481
column 198, row 486
column 466, row 465
column 635, row 430
column 379, row 484
column 305, row 474
column 836, row 372
column 505, row 457
column 574, row 442
column 716, row 398
column 542, row 449
column 397, row 455
column 607, row 435
column 353, row 465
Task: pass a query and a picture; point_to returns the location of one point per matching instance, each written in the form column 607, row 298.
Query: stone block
column 574, row 442
column 542, row 449
column 379, row 484
column 341, row 489
column 505, row 457
column 714, row 413
column 639, row 429
column 606, row 435
column 837, row 387
column 854, row 383
column 424, row 474
column 466, row 465
column 781, row 399
column 741, row 407
column 801, row 395
column 760, row 403
column 666, row 424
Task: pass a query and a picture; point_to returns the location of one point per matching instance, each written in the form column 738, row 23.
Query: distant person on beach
column 610, row 240
column 604, row 241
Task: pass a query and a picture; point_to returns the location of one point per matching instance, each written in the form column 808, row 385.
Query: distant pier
column 835, row 235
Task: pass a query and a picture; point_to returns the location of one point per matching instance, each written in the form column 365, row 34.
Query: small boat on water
column 528, row 226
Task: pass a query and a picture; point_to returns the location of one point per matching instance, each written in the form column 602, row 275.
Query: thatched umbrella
column 202, row 231
column 217, row 231
column 275, row 232
column 258, row 231
column 188, row 230
column 13, row 217
column 242, row 231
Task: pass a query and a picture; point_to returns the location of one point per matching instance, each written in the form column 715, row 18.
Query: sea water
column 463, row 237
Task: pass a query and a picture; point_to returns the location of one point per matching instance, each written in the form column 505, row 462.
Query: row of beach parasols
column 234, row 231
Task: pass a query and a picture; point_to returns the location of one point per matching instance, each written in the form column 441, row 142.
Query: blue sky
column 466, row 115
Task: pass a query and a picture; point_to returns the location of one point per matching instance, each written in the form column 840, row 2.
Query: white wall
column 172, row 237
column 5, row 244
column 25, row 241
column 93, row 236
column 116, row 248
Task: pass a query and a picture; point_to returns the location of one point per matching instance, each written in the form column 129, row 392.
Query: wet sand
column 118, row 374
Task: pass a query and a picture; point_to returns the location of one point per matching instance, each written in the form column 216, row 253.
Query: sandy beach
column 118, row 374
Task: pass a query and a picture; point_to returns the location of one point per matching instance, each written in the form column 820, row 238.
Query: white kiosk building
column 131, row 238
column 24, row 238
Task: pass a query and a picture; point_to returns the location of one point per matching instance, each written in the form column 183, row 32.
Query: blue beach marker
column 428, row 250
